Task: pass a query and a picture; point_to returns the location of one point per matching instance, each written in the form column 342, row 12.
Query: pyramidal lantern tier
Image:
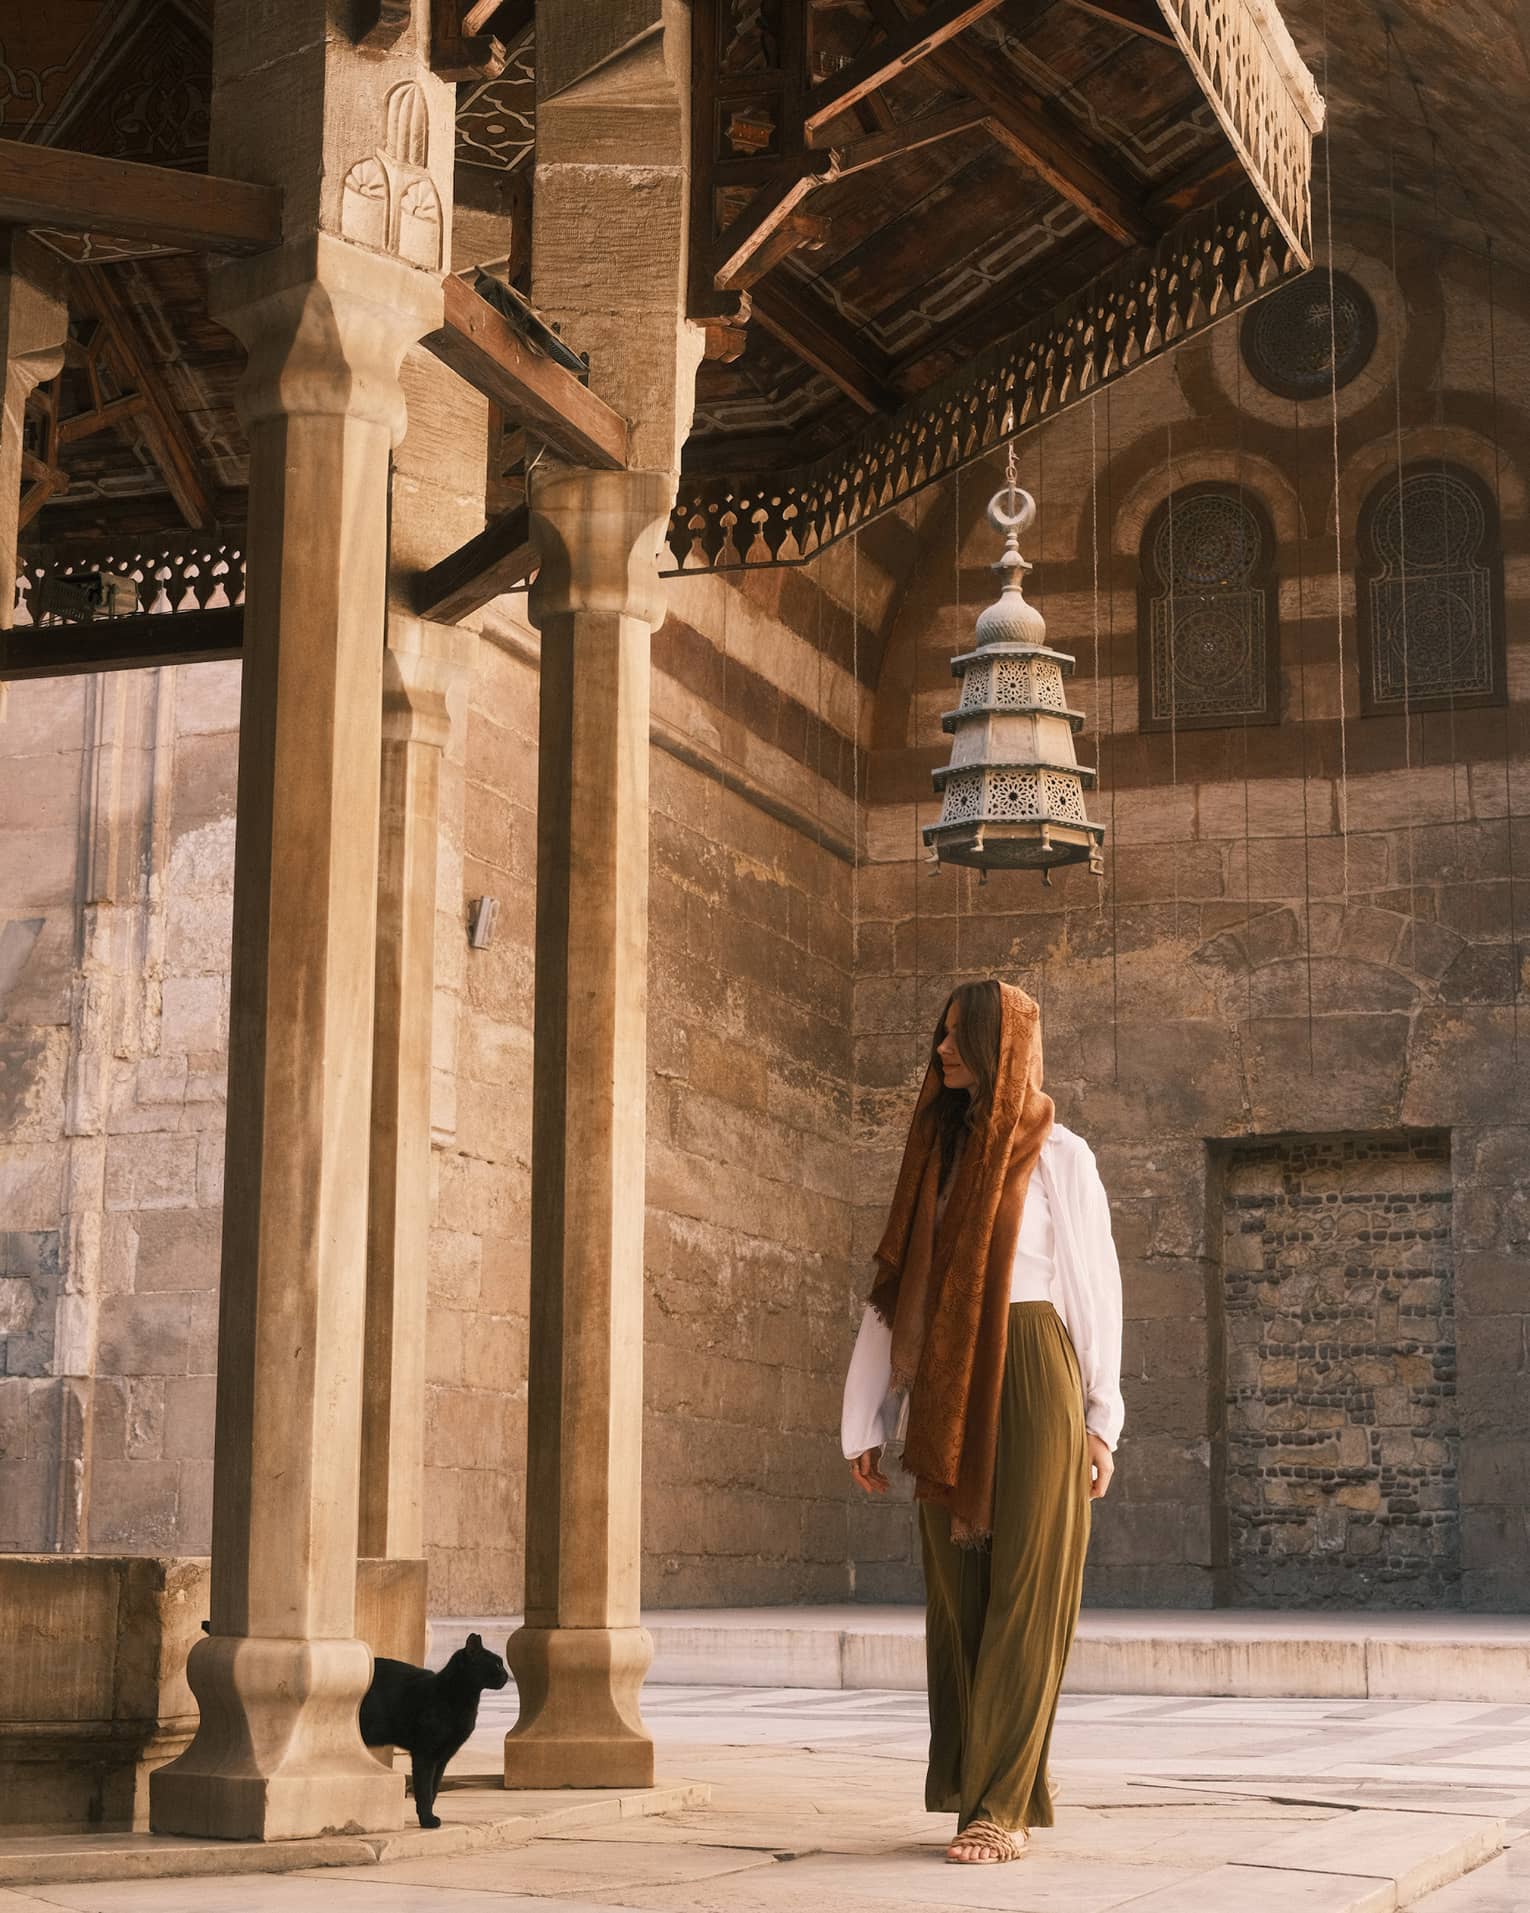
column 1012, row 796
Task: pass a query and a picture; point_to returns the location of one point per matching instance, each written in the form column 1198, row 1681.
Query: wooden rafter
column 500, row 558
column 158, row 421
column 1042, row 137
column 101, row 418
column 875, row 149
column 1138, row 16
column 765, row 213
column 899, row 49
column 456, row 54
column 512, row 22
column 481, row 346
column 45, row 478
column 79, row 192
column 802, row 232
column 818, row 336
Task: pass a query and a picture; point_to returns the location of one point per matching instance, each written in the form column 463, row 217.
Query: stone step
column 482, row 1819
column 1331, row 1655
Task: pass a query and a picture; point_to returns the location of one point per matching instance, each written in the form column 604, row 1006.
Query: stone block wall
column 115, row 897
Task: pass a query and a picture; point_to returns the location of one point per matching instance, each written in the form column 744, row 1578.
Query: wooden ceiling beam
column 1137, row 16
column 481, row 346
column 79, row 192
column 900, row 48
column 821, row 339
column 766, row 211
column 101, row 418
column 1043, row 138
column 499, row 559
column 456, row 54
column 120, row 644
column 160, row 424
column 874, row 149
column 803, row 232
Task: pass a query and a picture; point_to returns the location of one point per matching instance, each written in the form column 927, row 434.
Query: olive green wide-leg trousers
column 1000, row 1619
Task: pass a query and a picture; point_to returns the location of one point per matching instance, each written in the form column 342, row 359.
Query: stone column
column 34, row 322
column 360, row 144
column 437, row 504
column 580, row 1659
column 609, row 263
column 277, row 1754
column 422, row 665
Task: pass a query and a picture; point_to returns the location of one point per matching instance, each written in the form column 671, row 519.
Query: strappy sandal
column 993, row 1845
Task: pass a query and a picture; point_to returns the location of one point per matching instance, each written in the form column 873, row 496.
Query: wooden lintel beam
column 499, row 559
column 769, row 208
column 821, row 339
column 803, row 231
column 163, row 429
column 901, row 47
column 856, row 155
column 456, row 54
column 481, row 346
column 1041, row 137
column 80, row 192
column 120, row 644
column 1137, row 16
column 101, row 419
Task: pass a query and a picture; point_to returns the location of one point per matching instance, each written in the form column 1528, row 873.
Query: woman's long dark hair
column 980, row 1015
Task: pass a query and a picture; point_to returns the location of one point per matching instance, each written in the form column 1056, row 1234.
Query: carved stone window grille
column 1208, row 621
column 1430, row 594
column 1293, row 341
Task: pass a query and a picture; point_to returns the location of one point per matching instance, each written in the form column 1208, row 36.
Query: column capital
column 326, row 325
column 423, row 664
column 598, row 536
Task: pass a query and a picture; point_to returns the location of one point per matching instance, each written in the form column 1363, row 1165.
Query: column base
column 580, row 1724
column 277, row 1755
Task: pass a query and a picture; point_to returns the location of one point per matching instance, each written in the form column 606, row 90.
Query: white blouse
column 1066, row 1255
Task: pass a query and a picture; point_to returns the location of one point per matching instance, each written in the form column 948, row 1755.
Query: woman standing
column 997, row 1306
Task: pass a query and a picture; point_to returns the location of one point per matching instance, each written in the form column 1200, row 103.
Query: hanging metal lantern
column 1013, row 793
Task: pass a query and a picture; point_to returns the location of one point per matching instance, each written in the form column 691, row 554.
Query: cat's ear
column 475, row 1640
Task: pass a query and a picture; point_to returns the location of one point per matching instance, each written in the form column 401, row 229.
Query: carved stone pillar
column 34, row 322
column 608, row 262
column 422, row 665
column 360, row 144
column 580, row 1659
column 277, row 1754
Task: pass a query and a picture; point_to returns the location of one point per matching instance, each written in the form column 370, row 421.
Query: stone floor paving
column 1167, row 1806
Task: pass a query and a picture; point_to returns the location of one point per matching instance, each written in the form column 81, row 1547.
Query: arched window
column 1430, row 591
column 1208, row 620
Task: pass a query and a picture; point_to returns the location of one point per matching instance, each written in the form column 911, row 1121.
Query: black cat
column 429, row 1715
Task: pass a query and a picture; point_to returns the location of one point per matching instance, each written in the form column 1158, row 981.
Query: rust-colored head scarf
column 944, row 1287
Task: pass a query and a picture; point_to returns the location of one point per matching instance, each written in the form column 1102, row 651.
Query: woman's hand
column 867, row 1471
column 1102, row 1465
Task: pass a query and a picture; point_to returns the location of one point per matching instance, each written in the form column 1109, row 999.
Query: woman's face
column 953, row 1069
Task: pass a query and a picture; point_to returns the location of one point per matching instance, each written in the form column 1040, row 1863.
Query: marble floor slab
column 814, row 1805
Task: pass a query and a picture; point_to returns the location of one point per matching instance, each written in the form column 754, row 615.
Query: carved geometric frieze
column 1430, row 593
column 1211, row 264
column 157, row 577
column 1207, row 626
